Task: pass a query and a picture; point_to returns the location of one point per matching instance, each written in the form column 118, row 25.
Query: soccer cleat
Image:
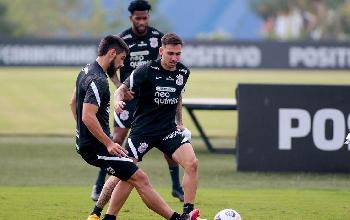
column 194, row 215
column 178, row 193
column 93, row 217
column 94, row 194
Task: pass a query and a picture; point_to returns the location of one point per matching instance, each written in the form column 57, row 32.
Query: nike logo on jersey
column 169, row 78
column 158, row 77
column 131, row 45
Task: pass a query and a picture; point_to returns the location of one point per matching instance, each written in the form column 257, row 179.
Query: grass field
column 41, row 176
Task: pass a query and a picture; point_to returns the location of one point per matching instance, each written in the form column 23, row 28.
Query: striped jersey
column 142, row 49
column 92, row 87
column 159, row 93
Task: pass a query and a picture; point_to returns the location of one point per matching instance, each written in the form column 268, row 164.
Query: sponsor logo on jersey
column 165, row 89
column 142, row 44
column 179, row 80
column 155, row 32
column 153, row 42
column 142, row 148
column 164, row 97
column 138, row 58
column 127, row 36
column 124, row 115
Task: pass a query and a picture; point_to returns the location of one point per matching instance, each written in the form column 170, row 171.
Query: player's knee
column 141, row 180
column 192, row 165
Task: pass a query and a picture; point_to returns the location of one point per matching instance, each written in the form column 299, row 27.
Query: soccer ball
column 227, row 214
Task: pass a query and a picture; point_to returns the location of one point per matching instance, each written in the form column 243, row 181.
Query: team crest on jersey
column 143, row 147
column 124, row 115
column 153, row 42
column 179, row 80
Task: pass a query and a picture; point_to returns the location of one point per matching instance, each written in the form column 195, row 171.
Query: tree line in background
column 63, row 18
column 282, row 19
column 304, row 19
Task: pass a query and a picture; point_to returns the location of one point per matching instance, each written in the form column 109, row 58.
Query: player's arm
column 178, row 116
column 115, row 80
column 120, row 97
column 178, row 120
column 90, row 120
column 73, row 104
column 131, row 84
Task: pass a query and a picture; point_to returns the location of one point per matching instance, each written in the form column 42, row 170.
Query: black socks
column 188, row 207
column 109, row 217
column 97, row 211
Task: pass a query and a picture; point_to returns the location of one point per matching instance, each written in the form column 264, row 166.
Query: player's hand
column 117, row 150
column 119, row 106
column 129, row 95
column 180, row 127
column 185, row 132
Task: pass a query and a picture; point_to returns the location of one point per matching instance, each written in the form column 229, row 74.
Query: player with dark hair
column 90, row 106
column 144, row 43
column 160, row 85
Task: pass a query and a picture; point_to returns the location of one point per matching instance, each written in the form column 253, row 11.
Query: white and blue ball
column 227, row 214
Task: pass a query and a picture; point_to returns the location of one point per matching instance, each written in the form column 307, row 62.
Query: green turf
column 43, row 178
column 71, row 203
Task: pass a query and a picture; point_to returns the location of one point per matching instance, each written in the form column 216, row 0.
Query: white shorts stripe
column 133, row 149
column 117, row 120
column 114, row 158
column 97, row 95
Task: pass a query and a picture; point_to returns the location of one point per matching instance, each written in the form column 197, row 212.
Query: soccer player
column 144, row 43
column 90, row 106
column 160, row 85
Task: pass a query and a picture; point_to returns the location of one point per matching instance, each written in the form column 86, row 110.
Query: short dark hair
column 171, row 38
column 112, row 42
column 139, row 5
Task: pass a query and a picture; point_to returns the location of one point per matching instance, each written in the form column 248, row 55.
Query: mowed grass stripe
column 36, row 100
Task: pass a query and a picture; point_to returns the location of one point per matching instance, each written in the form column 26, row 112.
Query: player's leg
column 97, row 187
column 104, row 198
column 177, row 190
column 119, row 135
column 186, row 157
column 140, row 181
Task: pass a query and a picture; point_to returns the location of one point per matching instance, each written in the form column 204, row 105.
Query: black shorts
column 97, row 155
column 138, row 146
column 124, row 119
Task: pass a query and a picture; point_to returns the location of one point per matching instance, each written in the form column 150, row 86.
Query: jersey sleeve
column 187, row 75
column 95, row 92
column 137, row 77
